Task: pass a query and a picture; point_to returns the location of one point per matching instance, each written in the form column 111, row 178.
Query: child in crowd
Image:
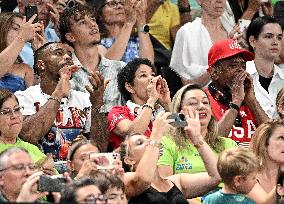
column 238, row 168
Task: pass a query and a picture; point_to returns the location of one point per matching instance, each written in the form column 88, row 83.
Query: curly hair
column 69, row 14
column 127, row 75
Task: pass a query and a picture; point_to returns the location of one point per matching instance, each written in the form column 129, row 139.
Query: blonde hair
column 178, row 134
column 280, row 100
column 260, row 139
column 236, row 161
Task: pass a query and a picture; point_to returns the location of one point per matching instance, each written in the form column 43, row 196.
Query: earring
column 132, row 168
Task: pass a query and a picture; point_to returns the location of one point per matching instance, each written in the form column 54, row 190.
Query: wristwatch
column 144, row 29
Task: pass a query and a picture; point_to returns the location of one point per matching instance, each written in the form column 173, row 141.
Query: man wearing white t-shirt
column 52, row 106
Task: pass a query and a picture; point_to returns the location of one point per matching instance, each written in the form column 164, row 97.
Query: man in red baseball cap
column 231, row 92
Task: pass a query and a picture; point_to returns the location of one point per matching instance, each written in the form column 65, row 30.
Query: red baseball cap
column 227, row 48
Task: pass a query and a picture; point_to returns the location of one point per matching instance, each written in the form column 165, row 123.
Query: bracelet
column 199, row 144
column 148, row 106
column 155, row 143
column 184, row 9
column 234, row 106
column 55, row 99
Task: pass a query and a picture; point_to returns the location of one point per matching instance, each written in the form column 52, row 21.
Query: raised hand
column 164, row 91
column 28, row 29
column 249, row 89
column 54, row 14
column 118, row 169
column 88, row 168
column 39, row 39
column 237, row 89
column 193, row 128
column 98, row 87
column 130, row 12
column 63, row 87
column 161, row 126
column 254, row 5
column 141, row 7
column 29, row 193
column 152, row 91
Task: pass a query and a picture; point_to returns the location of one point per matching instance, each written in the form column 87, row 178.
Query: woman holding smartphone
column 14, row 33
column 146, row 94
column 145, row 185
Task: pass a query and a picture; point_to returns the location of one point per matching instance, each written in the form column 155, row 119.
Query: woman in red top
column 142, row 90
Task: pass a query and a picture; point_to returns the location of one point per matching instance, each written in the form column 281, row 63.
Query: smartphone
column 105, row 160
column 244, row 24
column 30, row 11
column 179, row 120
column 51, row 183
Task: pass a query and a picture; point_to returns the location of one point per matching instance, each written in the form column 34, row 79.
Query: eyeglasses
column 92, row 199
column 20, row 167
column 114, row 4
column 10, row 112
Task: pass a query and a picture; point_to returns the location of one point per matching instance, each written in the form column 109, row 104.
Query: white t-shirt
column 267, row 100
column 73, row 116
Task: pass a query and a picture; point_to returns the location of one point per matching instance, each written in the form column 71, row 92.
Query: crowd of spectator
column 88, row 115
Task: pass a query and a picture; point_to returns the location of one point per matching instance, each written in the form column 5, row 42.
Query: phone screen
column 105, row 160
column 30, row 11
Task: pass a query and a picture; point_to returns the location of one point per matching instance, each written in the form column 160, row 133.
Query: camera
column 51, row 183
column 179, row 120
column 105, row 160
column 71, row 3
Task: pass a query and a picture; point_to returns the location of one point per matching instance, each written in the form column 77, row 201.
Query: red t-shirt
column 117, row 114
column 241, row 135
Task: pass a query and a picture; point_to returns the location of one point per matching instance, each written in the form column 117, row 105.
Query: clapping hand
column 99, row 85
